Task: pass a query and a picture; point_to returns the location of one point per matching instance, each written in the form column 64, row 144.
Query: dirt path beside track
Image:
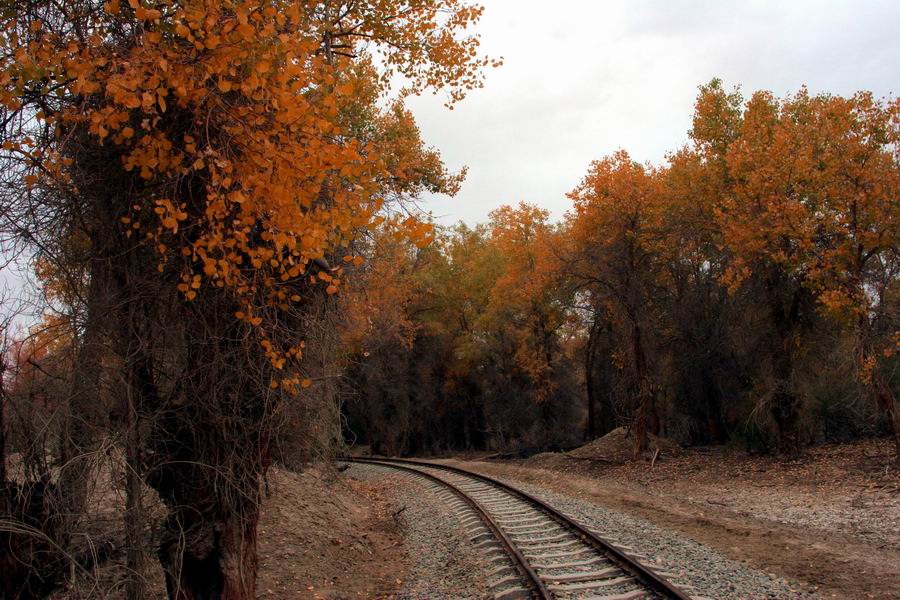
column 829, row 521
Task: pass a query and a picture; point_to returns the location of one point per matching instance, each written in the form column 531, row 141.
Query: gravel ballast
column 447, row 566
column 708, row 573
column 445, row 563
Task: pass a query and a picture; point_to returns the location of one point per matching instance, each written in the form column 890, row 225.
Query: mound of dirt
column 617, row 446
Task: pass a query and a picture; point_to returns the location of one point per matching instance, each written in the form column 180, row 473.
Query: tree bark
column 715, row 427
column 788, row 323
column 84, row 406
column 208, row 452
column 785, row 409
column 601, row 413
column 590, row 431
column 211, row 561
column 134, row 510
column 647, row 418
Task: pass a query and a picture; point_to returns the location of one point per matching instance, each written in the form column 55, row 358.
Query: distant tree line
column 746, row 291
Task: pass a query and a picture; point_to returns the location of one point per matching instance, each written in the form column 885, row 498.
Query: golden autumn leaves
column 802, row 190
column 808, row 184
column 234, row 118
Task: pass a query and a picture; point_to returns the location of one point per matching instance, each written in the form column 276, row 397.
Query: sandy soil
column 326, row 537
column 829, row 520
column 320, row 536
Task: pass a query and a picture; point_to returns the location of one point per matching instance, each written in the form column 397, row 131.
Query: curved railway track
column 536, row 551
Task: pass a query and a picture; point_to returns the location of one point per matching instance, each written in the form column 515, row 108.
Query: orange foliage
column 524, row 300
column 616, row 224
column 815, row 188
column 247, row 126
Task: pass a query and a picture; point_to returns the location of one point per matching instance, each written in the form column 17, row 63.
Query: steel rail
column 646, row 575
column 519, row 561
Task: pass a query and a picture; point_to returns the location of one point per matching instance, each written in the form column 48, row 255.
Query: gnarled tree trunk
column 210, row 560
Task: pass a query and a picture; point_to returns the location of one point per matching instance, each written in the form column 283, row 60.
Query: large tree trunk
column 786, row 414
column 212, row 446
column 83, row 412
column 715, row 427
column 788, row 323
column 206, row 560
column 785, row 408
column 601, row 413
column 647, row 418
column 211, row 485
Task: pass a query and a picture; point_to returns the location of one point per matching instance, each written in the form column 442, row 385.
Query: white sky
column 582, row 78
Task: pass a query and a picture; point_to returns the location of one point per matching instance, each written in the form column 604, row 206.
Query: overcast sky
column 582, row 78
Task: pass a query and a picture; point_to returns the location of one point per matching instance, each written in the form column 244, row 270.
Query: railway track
column 536, row 551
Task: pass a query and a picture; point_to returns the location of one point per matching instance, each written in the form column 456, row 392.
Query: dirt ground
column 829, row 520
column 326, row 537
column 320, row 536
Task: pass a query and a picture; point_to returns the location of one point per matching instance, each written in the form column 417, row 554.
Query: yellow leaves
column 144, row 14
column 189, row 286
column 344, row 89
column 169, row 214
column 355, row 260
column 246, row 31
column 234, row 112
